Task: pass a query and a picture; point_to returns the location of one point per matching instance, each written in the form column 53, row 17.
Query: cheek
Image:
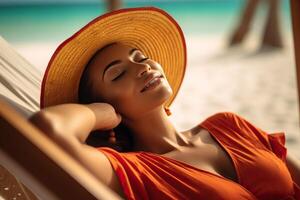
column 122, row 97
column 155, row 65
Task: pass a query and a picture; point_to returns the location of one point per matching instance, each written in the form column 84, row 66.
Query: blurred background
column 240, row 53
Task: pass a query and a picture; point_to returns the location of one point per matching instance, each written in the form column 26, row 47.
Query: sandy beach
column 258, row 85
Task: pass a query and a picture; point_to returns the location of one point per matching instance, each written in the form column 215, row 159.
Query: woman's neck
column 155, row 133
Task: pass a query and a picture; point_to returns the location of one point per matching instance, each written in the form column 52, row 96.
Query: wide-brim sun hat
column 149, row 29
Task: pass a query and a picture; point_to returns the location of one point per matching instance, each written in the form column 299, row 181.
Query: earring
column 168, row 111
column 112, row 137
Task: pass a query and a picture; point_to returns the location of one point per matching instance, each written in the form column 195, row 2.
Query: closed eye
column 119, row 76
column 143, row 59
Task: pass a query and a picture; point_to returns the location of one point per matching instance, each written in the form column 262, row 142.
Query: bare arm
column 76, row 120
column 70, row 124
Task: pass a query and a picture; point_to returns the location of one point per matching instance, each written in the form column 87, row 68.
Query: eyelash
column 143, row 59
column 118, row 76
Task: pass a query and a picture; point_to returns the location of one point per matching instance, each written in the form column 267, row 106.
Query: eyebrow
column 116, row 62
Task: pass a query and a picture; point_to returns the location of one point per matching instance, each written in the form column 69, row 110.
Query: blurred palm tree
column 271, row 36
column 113, row 5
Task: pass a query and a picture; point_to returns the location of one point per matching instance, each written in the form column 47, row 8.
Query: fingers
column 119, row 118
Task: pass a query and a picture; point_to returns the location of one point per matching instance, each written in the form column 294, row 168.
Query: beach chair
column 32, row 166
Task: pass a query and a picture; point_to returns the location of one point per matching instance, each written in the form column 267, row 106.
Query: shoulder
column 225, row 122
column 231, row 121
column 225, row 117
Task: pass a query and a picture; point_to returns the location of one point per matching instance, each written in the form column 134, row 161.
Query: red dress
column 259, row 160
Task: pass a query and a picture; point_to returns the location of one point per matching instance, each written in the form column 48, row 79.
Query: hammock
column 32, row 166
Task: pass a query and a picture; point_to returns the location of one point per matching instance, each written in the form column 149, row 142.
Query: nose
column 142, row 68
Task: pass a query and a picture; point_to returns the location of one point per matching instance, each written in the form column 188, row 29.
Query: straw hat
column 149, row 29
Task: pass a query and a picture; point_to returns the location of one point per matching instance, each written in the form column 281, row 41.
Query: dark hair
column 84, row 95
column 124, row 139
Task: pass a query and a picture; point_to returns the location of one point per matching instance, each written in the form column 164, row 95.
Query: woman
column 126, row 68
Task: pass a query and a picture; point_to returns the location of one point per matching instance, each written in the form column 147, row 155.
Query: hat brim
column 149, row 29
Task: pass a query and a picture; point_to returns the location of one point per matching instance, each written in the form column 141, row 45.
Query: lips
column 151, row 79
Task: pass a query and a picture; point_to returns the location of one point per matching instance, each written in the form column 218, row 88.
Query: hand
column 106, row 116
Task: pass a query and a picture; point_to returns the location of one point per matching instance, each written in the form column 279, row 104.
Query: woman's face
column 124, row 77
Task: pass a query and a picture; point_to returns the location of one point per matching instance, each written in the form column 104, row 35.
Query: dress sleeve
column 274, row 142
column 277, row 141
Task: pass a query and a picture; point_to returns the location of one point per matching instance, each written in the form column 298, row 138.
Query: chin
column 158, row 98
column 167, row 94
column 149, row 101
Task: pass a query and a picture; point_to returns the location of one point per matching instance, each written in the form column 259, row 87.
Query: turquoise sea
column 56, row 22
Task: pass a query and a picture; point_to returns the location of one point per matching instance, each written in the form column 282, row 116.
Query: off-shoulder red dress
column 259, row 160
